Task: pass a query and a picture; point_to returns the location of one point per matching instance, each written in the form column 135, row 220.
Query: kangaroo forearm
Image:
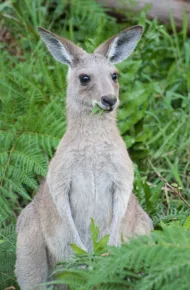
column 60, row 194
column 120, row 204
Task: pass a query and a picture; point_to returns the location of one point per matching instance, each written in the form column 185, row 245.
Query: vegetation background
column 154, row 120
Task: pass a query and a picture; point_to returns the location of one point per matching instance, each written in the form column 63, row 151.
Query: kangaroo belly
column 91, row 197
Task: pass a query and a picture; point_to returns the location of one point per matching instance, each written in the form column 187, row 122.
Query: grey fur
column 90, row 176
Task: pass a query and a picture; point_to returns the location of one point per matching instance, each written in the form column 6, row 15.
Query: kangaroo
column 91, row 174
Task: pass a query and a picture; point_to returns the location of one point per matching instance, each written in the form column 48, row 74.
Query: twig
column 173, row 189
column 165, row 188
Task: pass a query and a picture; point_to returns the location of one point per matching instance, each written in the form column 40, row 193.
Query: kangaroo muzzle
column 108, row 102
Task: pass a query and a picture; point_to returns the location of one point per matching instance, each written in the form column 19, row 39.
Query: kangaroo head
column 92, row 78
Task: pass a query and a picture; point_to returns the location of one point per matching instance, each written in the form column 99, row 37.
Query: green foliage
column 98, row 110
column 77, row 250
column 32, row 123
column 7, row 253
column 98, row 245
column 33, row 95
column 153, row 119
column 159, row 261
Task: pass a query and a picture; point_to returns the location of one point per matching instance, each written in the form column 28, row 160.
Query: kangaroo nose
column 109, row 100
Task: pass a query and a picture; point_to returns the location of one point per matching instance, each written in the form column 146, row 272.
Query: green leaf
column 163, row 225
column 72, row 274
column 77, row 250
column 102, row 244
column 97, row 109
column 187, row 223
column 98, row 246
column 94, row 232
column 174, row 185
column 148, row 195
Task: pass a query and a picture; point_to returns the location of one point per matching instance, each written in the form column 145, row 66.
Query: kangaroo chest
column 91, row 180
column 91, row 192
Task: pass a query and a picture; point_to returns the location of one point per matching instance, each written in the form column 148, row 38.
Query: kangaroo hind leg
column 31, row 259
column 136, row 221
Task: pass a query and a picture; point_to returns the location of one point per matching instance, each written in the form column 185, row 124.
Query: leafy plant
column 159, row 261
column 7, row 253
column 98, row 245
column 153, row 119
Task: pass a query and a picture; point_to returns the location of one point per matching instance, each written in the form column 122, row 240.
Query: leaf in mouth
column 97, row 109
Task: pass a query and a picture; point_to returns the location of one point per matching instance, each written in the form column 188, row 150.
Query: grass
column 153, row 118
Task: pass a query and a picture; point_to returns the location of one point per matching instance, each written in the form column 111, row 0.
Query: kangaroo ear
column 120, row 46
column 62, row 49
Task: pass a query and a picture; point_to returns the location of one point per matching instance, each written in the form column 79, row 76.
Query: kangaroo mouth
column 106, row 108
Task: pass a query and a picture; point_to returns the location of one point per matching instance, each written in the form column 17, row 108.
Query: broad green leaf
column 77, row 250
column 101, row 245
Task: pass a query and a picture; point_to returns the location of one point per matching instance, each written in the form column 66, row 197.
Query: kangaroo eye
column 84, row 79
column 114, row 77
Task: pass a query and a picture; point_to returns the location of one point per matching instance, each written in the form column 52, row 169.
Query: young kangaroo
column 91, row 174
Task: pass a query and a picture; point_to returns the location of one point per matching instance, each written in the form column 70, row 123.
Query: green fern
column 159, row 261
column 7, row 252
column 153, row 119
column 28, row 136
column 32, row 96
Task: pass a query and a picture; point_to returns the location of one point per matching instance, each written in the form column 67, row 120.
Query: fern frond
column 171, row 214
column 7, row 252
column 148, row 262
